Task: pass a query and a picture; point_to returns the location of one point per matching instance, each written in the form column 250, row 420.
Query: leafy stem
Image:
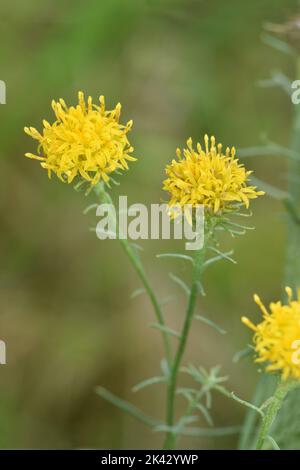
column 197, row 271
column 274, row 406
column 104, row 197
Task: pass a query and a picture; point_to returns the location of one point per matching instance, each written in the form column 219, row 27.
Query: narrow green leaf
column 180, row 282
column 278, row 79
column 147, row 382
column 244, row 403
column 166, row 300
column 165, row 367
column 244, row 214
column 137, row 247
column 165, row 329
column 272, row 149
column 205, row 413
column 126, row 407
column 137, row 292
column 242, row 354
column 178, row 427
column 185, row 391
column 231, row 231
column 278, row 44
column 211, row 324
column 219, row 257
column 79, row 184
column 201, row 289
column 271, row 190
column 200, row 432
column 211, row 432
column 175, row 255
column 230, row 223
column 183, row 421
column 273, row 442
column 224, row 255
column 89, row 208
column 115, row 182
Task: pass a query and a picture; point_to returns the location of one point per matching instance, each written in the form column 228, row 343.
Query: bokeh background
column 180, row 68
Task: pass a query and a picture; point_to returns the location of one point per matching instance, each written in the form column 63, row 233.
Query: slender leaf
column 137, row 247
column 165, row 367
column 147, row 382
column 239, row 400
column 273, row 442
column 180, row 282
column 205, row 413
column 211, row 324
column 201, row 432
column 175, row 255
column 278, row 79
column 165, row 329
column 201, row 289
column 89, row 208
column 137, row 292
column 269, row 149
column 219, row 257
column 271, row 190
column 242, row 354
column 166, row 300
column 278, row 44
column 126, row 407
column 230, row 223
column 224, row 255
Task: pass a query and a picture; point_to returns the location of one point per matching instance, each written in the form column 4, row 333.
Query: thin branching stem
column 104, row 197
column 171, row 436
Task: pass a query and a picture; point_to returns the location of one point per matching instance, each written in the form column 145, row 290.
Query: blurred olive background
column 180, row 68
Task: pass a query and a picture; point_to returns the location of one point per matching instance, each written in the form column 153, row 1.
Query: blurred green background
column 180, row 68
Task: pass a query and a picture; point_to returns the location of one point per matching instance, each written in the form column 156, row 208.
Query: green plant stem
column 170, row 440
column 105, row 198
column 275, row 404
column 140, row 270
column 246, row 439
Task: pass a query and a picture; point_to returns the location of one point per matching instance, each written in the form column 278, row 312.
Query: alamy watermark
column 296, row 353
column 2, row 343
column 2, row 92
column 137, row 222
column 2, row 352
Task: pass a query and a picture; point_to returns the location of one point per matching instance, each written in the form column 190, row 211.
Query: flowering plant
column 87, row 143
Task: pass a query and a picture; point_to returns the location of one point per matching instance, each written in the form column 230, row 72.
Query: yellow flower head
column 208, row 177
column 277, row 337
column 85, row 140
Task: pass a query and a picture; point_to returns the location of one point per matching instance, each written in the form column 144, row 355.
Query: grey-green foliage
column 199, row 396
column 286, row 430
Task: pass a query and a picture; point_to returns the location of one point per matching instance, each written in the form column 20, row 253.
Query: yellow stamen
column 248, row 323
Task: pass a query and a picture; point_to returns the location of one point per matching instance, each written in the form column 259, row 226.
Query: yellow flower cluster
column 85, row 140
column 208, row 177
column 277, row 337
